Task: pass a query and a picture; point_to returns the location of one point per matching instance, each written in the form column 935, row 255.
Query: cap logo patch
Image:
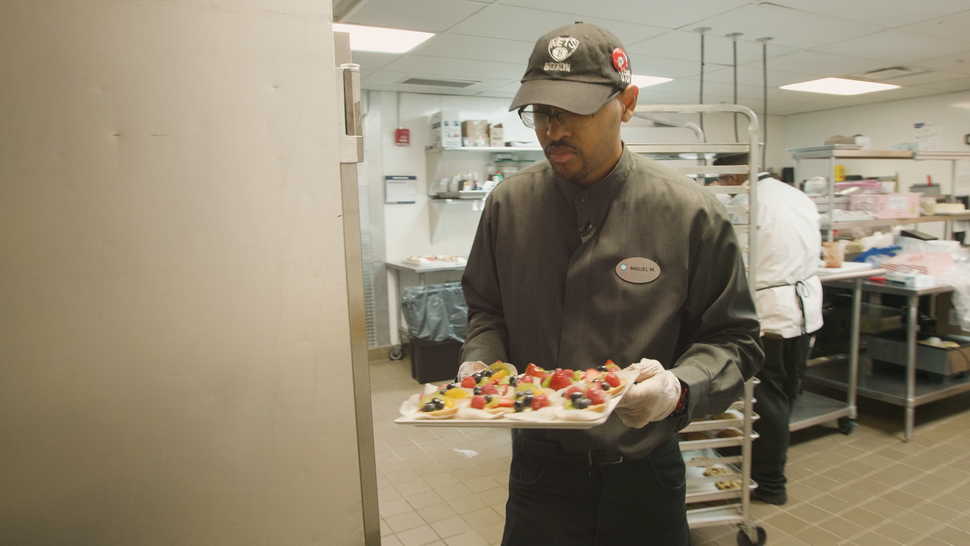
column 620, row 62
column 561, row 47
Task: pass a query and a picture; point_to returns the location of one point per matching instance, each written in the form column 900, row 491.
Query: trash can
column 437, row 320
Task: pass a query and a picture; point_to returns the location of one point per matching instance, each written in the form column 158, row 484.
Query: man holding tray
column 601, row 254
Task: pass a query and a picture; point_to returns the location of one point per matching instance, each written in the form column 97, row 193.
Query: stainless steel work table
column 909, row 392
column 812, row 409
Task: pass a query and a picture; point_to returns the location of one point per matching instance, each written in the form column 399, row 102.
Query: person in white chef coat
column 788, row 295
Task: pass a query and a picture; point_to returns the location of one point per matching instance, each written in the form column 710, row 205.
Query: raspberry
column 478, row 402
column 595, row 394
column 612, row 379
column 468, row 382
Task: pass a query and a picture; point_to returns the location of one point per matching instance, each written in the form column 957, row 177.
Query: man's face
column 731, row 179
column 584, row 149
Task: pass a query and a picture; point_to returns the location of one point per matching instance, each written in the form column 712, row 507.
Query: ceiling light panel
column 381, row 40
column 648, row 81
column 839, row 86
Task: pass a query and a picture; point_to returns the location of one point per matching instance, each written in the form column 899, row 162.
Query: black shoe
column 777, row 500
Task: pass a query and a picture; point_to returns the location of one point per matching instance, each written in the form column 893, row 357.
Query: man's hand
column 653, row 396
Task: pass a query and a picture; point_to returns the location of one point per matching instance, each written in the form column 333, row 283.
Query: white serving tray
column 543, row 419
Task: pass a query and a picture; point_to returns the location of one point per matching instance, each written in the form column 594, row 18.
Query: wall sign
column 400, row 190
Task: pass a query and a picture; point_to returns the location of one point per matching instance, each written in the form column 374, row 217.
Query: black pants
column 558, row 498
column 780, row 382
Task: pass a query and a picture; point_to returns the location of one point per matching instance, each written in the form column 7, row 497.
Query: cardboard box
column 939, row 363
column 886, row 205
column 496, row 136
column 947, row 320
column 445, row 129
column 474, row 133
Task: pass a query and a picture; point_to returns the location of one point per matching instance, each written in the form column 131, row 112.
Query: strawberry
column 591, row 374
column 612, row 379
column 534, row 370
column 505, row 402
column 595, row 393
column 540, row 401
column 611, row 366
column 489, row 388
column 560, row 379
column 478, row 402
column 571, row 390
column 468, row 382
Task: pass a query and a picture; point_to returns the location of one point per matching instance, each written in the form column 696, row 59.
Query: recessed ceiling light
column 839, row 86
column 647, row 81
column 382, row 40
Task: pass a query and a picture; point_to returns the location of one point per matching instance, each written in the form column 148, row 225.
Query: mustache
column 559, row 144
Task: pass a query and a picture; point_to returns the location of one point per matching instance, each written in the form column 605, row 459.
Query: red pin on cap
column 620, row 62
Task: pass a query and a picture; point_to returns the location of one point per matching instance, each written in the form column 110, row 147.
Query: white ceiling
column 489, row 42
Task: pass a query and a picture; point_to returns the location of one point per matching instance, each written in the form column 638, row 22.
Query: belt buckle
column 589, row 455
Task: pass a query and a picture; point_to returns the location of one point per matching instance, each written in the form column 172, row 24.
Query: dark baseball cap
column 576, row 67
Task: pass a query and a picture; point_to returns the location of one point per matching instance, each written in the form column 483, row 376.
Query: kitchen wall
column 174, row 331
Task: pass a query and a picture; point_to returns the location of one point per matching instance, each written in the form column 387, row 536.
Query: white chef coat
column 788, row 293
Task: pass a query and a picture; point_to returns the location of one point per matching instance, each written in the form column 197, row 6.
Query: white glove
column 652, row 398
column 468, row 368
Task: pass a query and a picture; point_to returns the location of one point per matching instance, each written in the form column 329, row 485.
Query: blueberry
column 527, row 399
column 520, row 405
column 429, row 407
column 477, row 390
column 438, row 403
column 582, row 403
column 513, row 380
column 576, row 395
column 487, row 373
column 602, row 368
column 477, row 376
column 488, row 398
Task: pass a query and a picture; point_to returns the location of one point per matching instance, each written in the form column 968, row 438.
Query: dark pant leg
column 644, row 501
column 633, row 503
column 780, row 380
column 550, row 503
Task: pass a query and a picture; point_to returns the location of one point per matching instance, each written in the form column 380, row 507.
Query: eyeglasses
column 541, row 120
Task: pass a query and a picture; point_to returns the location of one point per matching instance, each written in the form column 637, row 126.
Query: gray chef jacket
column 542, row 286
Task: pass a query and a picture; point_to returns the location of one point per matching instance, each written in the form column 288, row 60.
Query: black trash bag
column 435, row 312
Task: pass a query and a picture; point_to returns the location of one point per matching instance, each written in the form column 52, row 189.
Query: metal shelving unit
column 708, row 504
column 699, row 153
column 712, row 505
column 847, row 152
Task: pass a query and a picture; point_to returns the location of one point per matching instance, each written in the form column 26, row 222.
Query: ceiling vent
column 891, row 73
column 454, row 84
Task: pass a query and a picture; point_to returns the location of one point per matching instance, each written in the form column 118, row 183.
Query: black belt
column 550, row 450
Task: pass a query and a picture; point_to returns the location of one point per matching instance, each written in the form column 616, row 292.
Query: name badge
column 638, row 270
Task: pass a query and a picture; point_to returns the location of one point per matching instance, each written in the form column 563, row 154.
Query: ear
column 629, row 100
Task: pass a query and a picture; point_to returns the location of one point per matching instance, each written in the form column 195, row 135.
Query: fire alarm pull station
column 402, row 137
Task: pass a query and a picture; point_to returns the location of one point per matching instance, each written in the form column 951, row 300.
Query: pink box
column 929, row 263
column 886, row 205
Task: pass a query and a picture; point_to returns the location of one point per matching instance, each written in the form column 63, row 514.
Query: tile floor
column 444, row 486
